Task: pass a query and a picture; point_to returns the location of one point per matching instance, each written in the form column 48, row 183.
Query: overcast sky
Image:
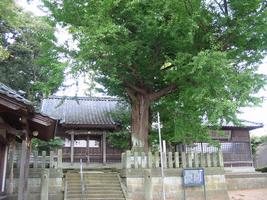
column 258, row 114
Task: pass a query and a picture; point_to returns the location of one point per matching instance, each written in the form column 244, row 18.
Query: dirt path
column 255, row 194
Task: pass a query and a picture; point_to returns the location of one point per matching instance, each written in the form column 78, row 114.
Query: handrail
column 81, row 174
column 123, row 188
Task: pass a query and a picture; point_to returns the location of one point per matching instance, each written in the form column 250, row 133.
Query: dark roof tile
column 80, row 110
column 5, row 90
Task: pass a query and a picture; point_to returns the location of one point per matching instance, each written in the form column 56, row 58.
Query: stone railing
column 171, row 160
column 37, row 160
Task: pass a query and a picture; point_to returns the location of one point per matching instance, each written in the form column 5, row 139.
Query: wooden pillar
column 24, row 170
column 4, row 169
column 25, row 159
column 87, row 149
column 72, row 148
column 10, row 173
column 104, row 147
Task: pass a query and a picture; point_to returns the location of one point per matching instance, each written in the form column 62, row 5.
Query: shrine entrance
column 90, row 147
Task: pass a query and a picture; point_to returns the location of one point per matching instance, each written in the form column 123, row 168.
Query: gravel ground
column 255, row 194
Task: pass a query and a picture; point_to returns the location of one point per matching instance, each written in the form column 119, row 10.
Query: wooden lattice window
column 221, row 135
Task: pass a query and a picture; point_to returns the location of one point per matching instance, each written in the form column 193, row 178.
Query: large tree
column 203, row 52
column 30, row 59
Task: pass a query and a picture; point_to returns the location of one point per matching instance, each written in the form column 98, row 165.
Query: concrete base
column 67, row 165
column 239, row 169
column 243, row 181
column 144, row 184
column 34, row 184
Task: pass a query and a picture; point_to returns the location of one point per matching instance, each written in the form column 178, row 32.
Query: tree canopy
column 30, row 59
column 200, row 55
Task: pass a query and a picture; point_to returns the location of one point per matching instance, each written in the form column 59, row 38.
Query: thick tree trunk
column 140, row 122
column 140, row 102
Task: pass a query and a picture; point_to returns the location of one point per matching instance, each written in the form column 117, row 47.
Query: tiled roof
column 93, row 111
column 5, row 90
column 244, row 124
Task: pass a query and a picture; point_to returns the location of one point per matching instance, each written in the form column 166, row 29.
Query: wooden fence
column 42, row 160
column 171, row 160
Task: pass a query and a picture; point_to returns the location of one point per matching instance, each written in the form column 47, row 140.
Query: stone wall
column 55, row 183
column 261, row 158
column 246, row 181
column 146, row 184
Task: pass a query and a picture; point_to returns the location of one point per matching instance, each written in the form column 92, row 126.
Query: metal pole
column 161, row 157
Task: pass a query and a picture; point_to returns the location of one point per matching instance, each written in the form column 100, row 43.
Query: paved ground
column 255, row 194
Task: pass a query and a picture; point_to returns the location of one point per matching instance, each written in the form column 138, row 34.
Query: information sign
column 193, row 177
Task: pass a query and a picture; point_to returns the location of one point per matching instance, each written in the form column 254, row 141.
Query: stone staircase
column 98, row 186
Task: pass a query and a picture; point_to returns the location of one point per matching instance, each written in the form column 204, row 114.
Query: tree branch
column 220, row 6
column 130, row 93
column 156, row 95
column 135, row 88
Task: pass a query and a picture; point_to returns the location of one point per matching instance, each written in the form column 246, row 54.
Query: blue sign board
column 193, row 177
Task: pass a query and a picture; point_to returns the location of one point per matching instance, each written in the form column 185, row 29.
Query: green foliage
column 47, row 146
column 30, row 58
column 263, row 170
column 207, row 50
column 256, row 141
column 121, row 139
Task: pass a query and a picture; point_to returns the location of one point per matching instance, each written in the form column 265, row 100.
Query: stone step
column 98, row 183
column 95, row 195
column 98, row 186
column 78, row 187
column 94, row 198
column 94, row 183
column 105, row 192
column 91, row 177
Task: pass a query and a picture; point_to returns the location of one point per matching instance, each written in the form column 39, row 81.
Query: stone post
column 44, row 184
column 170, row 164
column 148, row 185
column 136, row 163
column 51, row 162
column 208, row 161
column 143, row 160
column 176, row 160
column 128, row 159
column 220, row 158
column 43, row 159
column 59, row 158
column 214, row 160
column 123, row 160
column 189, row 160
column 157, row 159
column 35, row 159
column 149, row 160
column 183, row 160
column 196, row 160
column 202, row 160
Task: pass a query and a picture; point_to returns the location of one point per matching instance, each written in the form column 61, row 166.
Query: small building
column 84, row 123
column 234, row 144
column 19, row 123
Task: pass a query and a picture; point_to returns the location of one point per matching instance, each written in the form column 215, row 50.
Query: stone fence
column 171, row 160
column 141, row 173
column 53, row 160
column 45, row 176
